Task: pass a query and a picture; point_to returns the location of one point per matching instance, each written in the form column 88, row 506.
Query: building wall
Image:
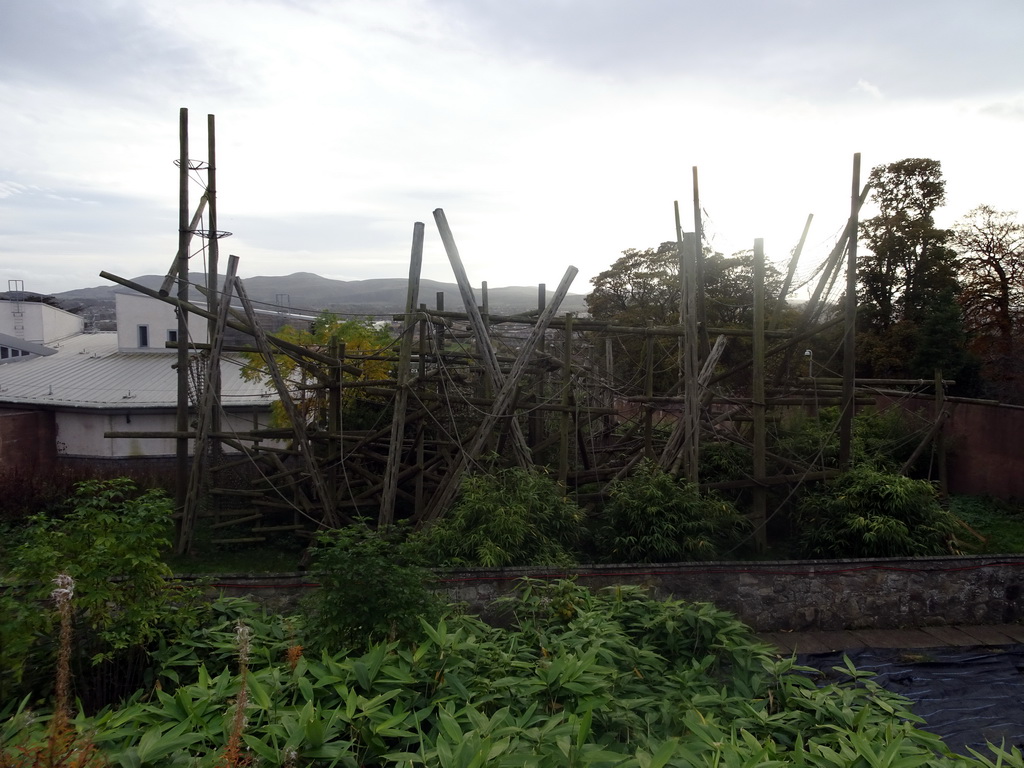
column 27, row 441
column 81, row 433
column 984, row 447
column 159, row 318
column 37, row 322
column 768, row 596
column 986, row 450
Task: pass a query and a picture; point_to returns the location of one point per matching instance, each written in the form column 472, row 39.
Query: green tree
column 642, row 288
column 909, row 321
column 990, row 261
column 363, row 341
column 109, row 541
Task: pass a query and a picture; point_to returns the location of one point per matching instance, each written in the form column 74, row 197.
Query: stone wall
column 769, row 596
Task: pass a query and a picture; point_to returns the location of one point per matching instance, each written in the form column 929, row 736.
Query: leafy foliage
column 589, row 680
column 883, row 439
column 506, row 517
column 372, row 589
column 911, row 324
column 868, row 513
column 110, row 543
column 326, row 334
column 652, row 517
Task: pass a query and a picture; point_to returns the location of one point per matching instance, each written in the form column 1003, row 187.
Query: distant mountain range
column 307, row 291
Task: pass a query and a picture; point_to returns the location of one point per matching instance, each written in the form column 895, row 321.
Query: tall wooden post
column 700, row 306
column 565, row 419
column 850, row 327
column 213, row 257
column 760, row 497
column 386, row 515
column 184, row 237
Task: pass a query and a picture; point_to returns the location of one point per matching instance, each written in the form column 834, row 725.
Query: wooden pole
column 850, row 327
column 206, row 425
column 701, row 305
column 386, row 515
column 565, row 418
column 940, row 436
column 449, row 486
column 184, row 238
column 832, row 264
column 168, row 283
column 330, row 518
column 519, row 447
column 780, row 303
column 691, row 443
column 213, row 259
column 760, row 497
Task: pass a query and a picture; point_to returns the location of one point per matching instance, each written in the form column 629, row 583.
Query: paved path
column 908, row 639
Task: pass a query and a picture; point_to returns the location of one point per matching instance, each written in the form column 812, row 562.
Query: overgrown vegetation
column 507, row 517
column 579, row 679
column 109, row 540
column 327, row 334
column 373, row 589
column 869, row 513
column 652, row 517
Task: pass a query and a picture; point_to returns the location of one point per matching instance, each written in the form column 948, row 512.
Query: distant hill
column 307, row 291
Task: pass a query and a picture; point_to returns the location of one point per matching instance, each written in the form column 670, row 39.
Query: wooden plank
column 236, row 521
column 987, row 635
column 949, row 636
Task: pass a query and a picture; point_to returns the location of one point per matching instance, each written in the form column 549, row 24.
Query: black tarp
column 968, row 696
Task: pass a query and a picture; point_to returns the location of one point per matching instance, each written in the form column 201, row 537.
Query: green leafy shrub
column 373, row 588
column 885, row 439
column 611, row 679
column 110, row 542
column 653, row 517
column 869, row 513
column 508, row 517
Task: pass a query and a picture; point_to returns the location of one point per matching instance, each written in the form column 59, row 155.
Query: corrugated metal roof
column 88, row 372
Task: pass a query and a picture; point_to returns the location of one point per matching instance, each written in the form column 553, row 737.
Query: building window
column 172, row 335
column 5, row 352
column 143, row 335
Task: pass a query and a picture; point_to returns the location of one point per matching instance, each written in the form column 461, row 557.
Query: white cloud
column 863, row 86
column 551, row 133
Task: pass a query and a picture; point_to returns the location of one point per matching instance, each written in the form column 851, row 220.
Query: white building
column 77, row 387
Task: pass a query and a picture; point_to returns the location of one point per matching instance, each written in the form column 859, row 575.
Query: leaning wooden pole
column 330, row 518
column 486, row 349
column 184, row 238
column 850, row 327
column 780, row 302
column 386, row 515
column 449, row 486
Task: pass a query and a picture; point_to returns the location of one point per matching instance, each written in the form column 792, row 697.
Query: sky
column 551, row 132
